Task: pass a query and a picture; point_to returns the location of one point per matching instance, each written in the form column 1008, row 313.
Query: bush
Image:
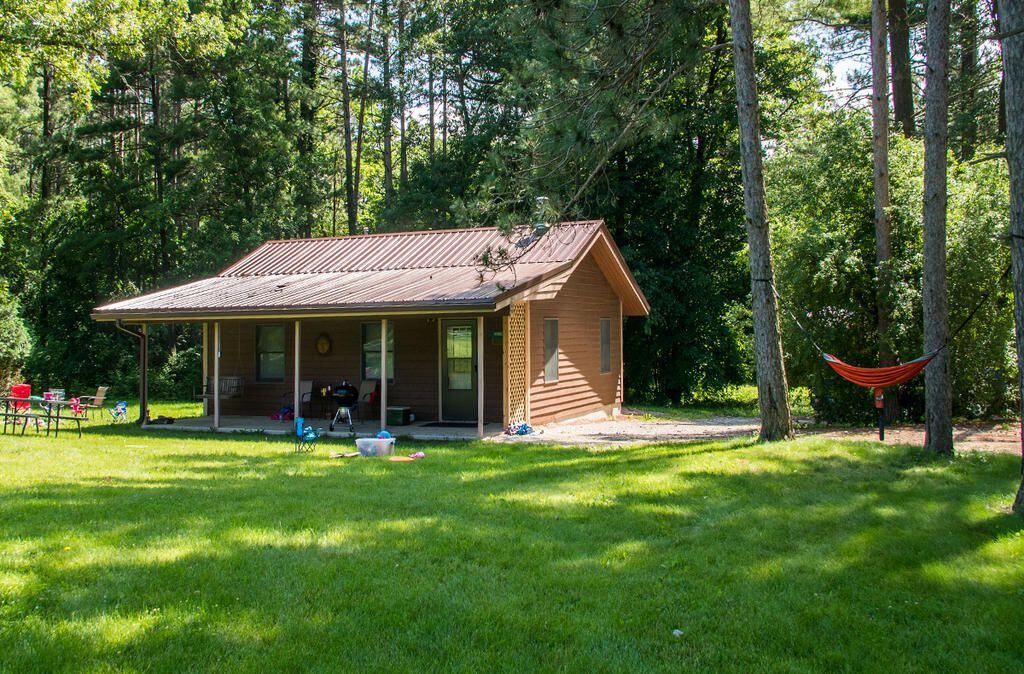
column 14, row 339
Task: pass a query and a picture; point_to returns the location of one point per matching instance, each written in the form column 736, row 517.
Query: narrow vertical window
column 550, row 349
column 270, row 352
column 606, row 345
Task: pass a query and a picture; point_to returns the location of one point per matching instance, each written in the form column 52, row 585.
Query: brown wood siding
column 416, row 365
column 581, row 388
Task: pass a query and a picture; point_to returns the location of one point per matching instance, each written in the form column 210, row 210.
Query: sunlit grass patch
column 129, row 550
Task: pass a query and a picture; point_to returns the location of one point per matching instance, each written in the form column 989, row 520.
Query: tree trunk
column 361, row 124
column 1001, row 113
column 387, row 111
column 772, row 391
column 307, row 111
column 880, row 156
column 346, row 122
column 1012, row 19
column 158, row 162
column 430, row 107
column 938, row 396
column 968, row 76
column 403, row 153
column 902, row 77
column 45, row 173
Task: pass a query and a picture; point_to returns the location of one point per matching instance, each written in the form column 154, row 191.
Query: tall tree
column 880, row 156
column 902, row 76
column 364, row 93
column 968, row 79
column 1011, row 14
column 351, row 209
column 387, row 104
column 403, row 40
column 938, row 394
column 309, row 67
column 772, row 391
column 46, row 105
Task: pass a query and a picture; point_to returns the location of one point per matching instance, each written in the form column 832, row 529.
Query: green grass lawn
column 734, row 401
column 162, row 551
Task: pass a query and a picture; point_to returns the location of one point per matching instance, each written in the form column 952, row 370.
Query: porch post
column 144, row 375
column 480, row 376
column 383, row 373
column 206, row 367
column 297, row 395
column 216, row 374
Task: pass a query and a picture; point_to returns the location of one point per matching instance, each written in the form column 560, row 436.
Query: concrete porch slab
column 363, row 429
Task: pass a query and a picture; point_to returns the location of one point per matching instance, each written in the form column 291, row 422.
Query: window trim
column 547, row 378
column 601, row 345
column 284, row 353
column 362, row 350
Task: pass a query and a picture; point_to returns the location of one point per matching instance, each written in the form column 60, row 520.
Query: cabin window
column 371, row 351
column 606, row 345
column 550, row 349
column 270, row 353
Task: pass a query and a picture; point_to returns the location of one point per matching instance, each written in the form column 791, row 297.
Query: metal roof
column 374, row 272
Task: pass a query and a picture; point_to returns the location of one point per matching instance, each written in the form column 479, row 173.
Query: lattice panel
column 516, row 378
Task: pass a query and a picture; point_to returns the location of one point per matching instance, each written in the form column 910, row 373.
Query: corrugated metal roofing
column 377, row 271
column 408, row 250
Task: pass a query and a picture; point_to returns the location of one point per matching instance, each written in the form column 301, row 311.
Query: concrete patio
column 363, row 429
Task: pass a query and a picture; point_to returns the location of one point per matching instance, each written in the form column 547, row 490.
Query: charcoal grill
column 346, row 397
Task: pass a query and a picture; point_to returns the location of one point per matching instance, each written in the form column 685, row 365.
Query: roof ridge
column 413, row 232
column 372, row 271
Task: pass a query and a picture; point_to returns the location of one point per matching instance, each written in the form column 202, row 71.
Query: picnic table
column 38, row 410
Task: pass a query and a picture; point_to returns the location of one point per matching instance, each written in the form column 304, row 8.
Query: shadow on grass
column 530, row 557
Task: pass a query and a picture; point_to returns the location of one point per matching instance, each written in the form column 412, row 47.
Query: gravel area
column 635, row 428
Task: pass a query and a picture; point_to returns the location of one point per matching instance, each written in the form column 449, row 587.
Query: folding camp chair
column 119, row 412
column 306, row 437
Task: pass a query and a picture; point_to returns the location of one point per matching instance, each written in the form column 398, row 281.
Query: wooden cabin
column 536, row 340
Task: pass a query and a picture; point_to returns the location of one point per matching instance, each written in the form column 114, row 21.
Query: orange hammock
column 878, row 377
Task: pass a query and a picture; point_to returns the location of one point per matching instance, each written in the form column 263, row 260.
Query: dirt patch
column 639, row 430
column 977, row 437
column 651, row 428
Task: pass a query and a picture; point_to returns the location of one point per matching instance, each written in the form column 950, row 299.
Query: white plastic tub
column 375, row 446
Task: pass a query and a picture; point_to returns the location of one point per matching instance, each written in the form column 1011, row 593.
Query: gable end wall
column 581, row 387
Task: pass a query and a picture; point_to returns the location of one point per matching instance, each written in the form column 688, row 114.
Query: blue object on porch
column 305, row 436
column 519, row 429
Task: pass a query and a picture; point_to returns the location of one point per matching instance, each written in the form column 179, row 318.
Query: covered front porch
column 444, row 373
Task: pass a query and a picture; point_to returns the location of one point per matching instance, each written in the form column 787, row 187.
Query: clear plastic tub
column 375, row 446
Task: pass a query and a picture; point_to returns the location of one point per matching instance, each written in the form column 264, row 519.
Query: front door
column 458, row 370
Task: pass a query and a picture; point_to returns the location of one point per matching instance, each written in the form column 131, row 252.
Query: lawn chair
column 306, row 437
column 119, row 412
column 78, row 410
column 305, row 396
column 93, row 403
column 18, row 408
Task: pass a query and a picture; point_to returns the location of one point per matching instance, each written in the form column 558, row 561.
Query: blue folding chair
column 306, row 437
column 119, row 412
